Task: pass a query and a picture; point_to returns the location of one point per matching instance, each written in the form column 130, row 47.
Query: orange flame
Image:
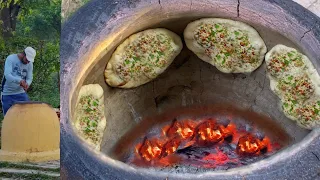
column 210, row 132
column 249, row 144
column 150, row 149
column 185, row 133
column 171, row 146
column 184, row 129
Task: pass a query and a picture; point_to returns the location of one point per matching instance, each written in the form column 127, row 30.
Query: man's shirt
column 14, row 72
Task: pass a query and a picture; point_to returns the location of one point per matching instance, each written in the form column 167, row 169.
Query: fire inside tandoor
column 204, row 143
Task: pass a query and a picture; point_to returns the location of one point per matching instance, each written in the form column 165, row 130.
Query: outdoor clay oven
column 189, row 87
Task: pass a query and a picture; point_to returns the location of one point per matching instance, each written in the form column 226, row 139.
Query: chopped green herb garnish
column 160, row 53
column 224, row 60
column 290, row 78
column 236, row 33
column 218, row 57
column 291, row 109
column 152, row 56
column 213, row 33
column 95, row 103
column 87, row 130
column 286, row 62
column 290, row 54
column 227, row 54
column 216, row 26
column 294, row 102
column 136, row 59
column 127, row 61
column 285, row 105
column 316, row 111
column 94, row 124
column 318, row 103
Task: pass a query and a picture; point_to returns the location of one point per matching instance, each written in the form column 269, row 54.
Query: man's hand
column 24, row 85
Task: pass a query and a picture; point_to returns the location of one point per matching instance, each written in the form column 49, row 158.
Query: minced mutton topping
column 228, row 48
column 282, row 64
column 296, row 87
column 145, row 55
column 306, row 113
column 290, row 106
column 310, row 112
column 90, row 115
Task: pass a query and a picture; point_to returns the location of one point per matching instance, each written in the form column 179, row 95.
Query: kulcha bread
column 142, row 57
column 231, row 46
column 90, row 120
column 296, row 82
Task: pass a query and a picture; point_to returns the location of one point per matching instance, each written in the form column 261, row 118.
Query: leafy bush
column 46, row 66
column 34, row 23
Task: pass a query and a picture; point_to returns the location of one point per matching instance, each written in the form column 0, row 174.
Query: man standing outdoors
column 17, row 78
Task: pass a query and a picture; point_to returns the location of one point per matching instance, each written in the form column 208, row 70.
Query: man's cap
column 30, row 53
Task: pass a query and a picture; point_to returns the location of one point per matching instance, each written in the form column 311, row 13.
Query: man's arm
column 8, row 72
column 30, row 75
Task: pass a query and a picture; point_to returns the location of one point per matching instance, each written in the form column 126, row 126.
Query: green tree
column 35, row 23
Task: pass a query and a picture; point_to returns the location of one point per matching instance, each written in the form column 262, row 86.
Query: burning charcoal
column 187, row 146
column 150, row 149
column 209, row 132
column 251, row 145
column 170, row 146
column 185, row 129
column 248, row 145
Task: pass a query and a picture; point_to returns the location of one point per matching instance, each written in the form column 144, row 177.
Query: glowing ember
column 218, row 158
column 250, row 145
column 171, row 146
column 184, row 129
column 208, row 135
column 209, row 132
column 150, row 149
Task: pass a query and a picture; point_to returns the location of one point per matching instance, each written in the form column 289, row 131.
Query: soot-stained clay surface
column 83, row 33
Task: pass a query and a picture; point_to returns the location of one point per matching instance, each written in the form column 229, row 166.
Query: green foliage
column 43, row 22
column 46, row 66
column 38, row 26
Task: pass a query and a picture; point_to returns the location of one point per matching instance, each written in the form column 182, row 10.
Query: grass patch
column 28, row 176
column 21, row 166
